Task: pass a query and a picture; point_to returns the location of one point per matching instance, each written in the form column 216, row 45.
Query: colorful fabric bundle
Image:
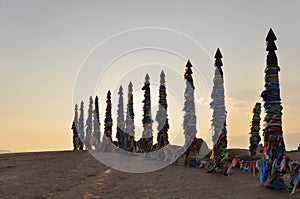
column 162, row 115
column 192, row 155
column 295, row 178
column 129, row 122
column 294, row 168
column 233, row 164
column 147, row 137
column 255, row 127
column 221, row 163
column 263, row 171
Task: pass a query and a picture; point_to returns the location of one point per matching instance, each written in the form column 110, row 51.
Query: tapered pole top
column 120, row 90
column 188, row 64
column 108, row 95
column 147, row 78
column 270, row 39
column 162, row 74
column 130, row 88
column 218, row 54
column 271, row 48
column 162, row 77
column 218, row 57
column 130, row 85
column 188, row 70
column 271, row 36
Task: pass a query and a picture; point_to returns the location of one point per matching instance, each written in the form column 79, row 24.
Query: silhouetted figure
column 81, row 122
column 75, row 136
column 75, row 127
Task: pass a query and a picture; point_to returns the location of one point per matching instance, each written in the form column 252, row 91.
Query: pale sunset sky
column 50, row 49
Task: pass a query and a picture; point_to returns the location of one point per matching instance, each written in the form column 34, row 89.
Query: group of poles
column 88, row 135
column 271, row 165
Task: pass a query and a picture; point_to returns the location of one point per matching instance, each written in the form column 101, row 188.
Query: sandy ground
column 70, row 174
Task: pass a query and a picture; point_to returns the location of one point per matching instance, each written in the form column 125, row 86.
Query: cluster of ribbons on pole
column 162, row 114
column 89, row 126
column 129, row 122
column 189, row 121
column 108, row 122
column 147, row 137
column 219, row 136
column 121, row 122
column 255, row 127
column 97, row 132
column 274, row 147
